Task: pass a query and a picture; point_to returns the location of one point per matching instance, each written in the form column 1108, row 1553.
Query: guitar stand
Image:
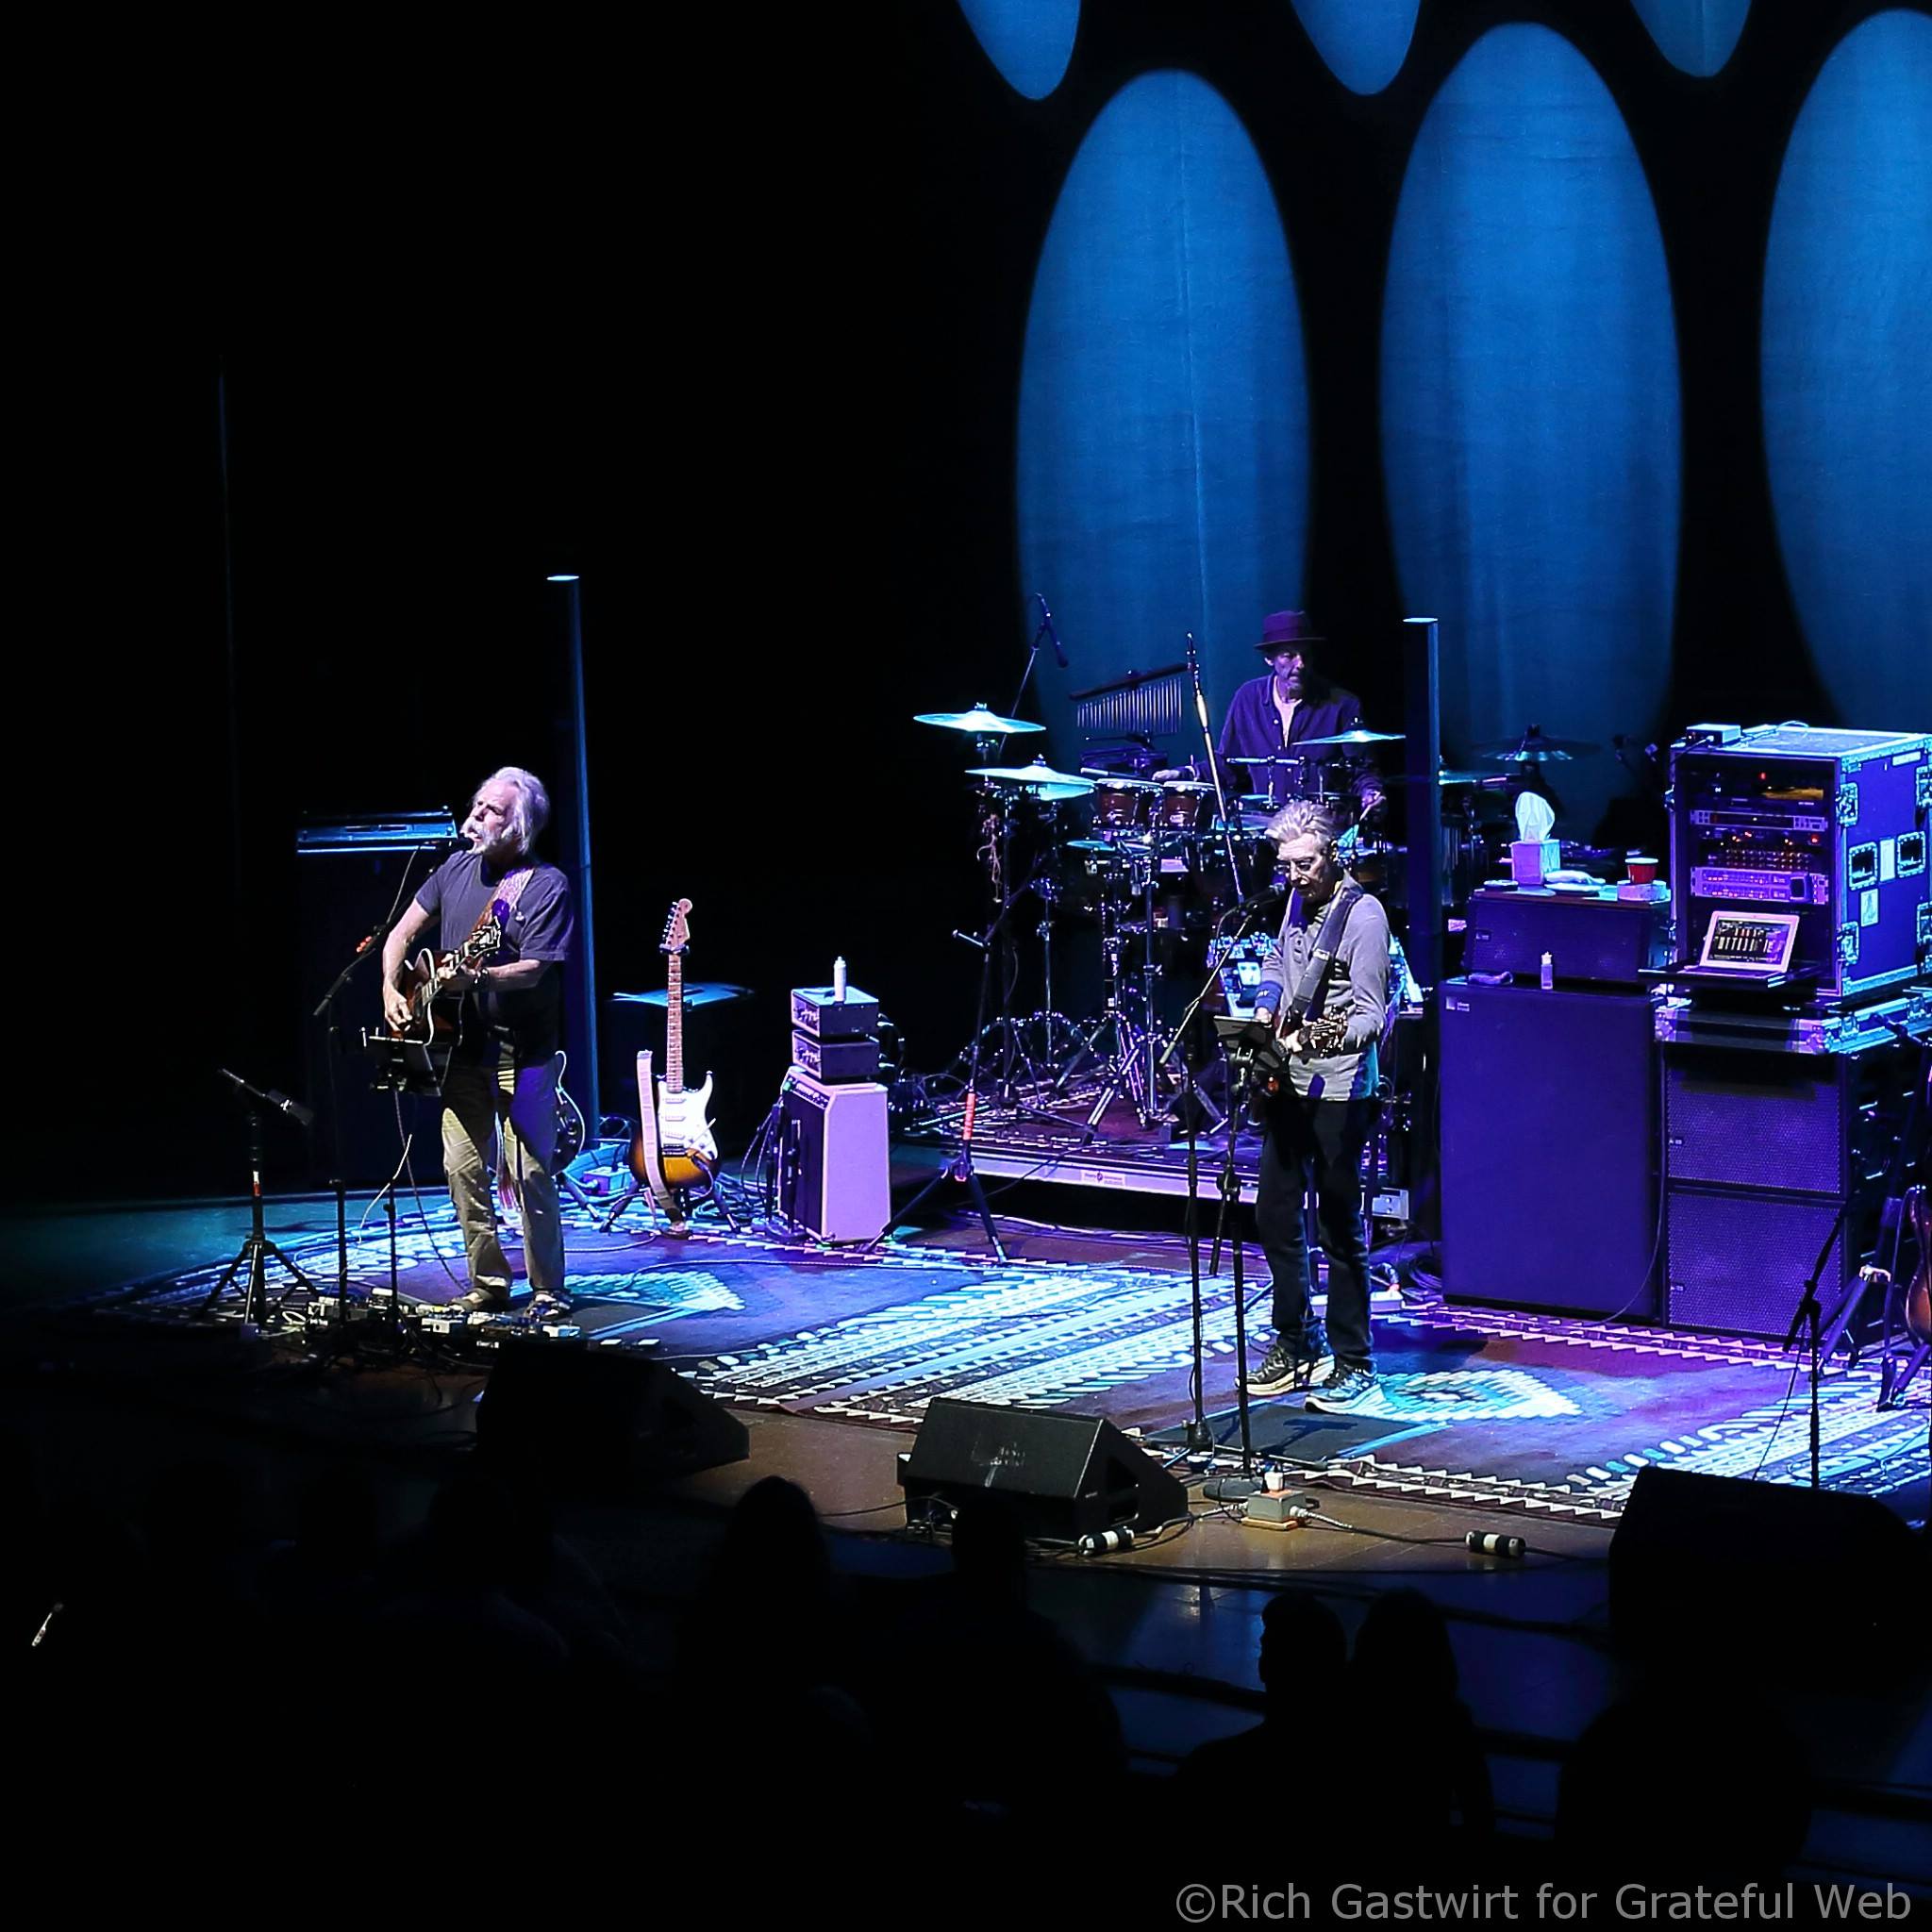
column 257, row 1250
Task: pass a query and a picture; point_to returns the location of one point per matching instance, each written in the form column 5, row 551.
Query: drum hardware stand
column 257, row 1250
column 1133, row 1044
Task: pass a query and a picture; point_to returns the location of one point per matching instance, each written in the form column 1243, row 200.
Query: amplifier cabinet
column 835, row 1158
column 1761, row 1150
column 1549, row 1149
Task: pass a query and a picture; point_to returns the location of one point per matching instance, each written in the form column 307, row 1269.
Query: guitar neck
column 673, row 1024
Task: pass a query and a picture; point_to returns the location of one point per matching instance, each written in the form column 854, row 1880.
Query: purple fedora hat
column 1287, row 630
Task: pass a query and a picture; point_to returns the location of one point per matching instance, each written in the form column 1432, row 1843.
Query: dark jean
column 1318, row 1144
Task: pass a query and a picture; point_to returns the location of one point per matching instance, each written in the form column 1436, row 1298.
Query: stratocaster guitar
column 675, row 1154
column 414, row 1057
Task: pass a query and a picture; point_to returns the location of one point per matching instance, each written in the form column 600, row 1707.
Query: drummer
column 1290, row 702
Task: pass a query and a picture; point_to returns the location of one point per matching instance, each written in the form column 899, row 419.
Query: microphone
column 1053, row 636
column 304, row 1116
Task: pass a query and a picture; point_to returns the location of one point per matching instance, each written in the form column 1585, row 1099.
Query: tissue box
column 1530, row 858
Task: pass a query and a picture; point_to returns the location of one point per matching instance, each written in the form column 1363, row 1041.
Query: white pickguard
column 683, row 1122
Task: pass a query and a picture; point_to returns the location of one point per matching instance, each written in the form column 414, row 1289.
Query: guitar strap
column 503, row 902
column 1314, row 973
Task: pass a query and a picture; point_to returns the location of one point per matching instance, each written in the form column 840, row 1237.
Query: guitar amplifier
column 835, row 1061
column 819, row 1011
column 834, row 1158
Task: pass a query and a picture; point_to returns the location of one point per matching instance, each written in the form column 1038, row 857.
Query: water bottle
column 1546, row 978
column 839, row 978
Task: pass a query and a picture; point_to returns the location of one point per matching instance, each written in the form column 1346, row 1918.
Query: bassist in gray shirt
column 1319, row 1123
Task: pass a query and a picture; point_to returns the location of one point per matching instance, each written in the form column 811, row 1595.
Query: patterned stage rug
column 1482, row 1405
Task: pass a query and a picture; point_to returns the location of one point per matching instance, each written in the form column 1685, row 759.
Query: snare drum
column 1184, row 806
column 1123, row 805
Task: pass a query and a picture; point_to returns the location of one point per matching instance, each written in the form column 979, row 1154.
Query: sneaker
column 1344, row 1389
column 1283, row 1368
column 547, row 1306
column 482, row 1301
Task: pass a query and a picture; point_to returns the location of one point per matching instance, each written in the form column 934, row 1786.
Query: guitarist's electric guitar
column 1316, row 1037
column 414, row 1057
column 675, row 1154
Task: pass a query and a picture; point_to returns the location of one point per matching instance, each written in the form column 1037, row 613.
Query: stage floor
column 1534, row 1415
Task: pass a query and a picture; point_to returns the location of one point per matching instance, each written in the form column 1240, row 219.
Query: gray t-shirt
column 1357, row 986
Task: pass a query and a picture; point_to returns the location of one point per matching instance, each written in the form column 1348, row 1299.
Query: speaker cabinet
column 1067, row 1475
column 606, row 1421
column 1761, row 1150
column 1549, row 1149
column 835, row 1158
column 1708, row 1568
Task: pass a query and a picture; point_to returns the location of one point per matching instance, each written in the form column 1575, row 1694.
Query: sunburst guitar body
column 674, row 1156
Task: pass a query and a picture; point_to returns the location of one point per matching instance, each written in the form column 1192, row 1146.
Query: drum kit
column 1148, row 858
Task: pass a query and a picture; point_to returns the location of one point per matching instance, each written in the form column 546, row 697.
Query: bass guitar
column 676, row 1155
column 414, row 1057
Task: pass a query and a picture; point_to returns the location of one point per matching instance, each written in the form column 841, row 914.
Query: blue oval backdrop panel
column 1529, row 409
column 1162, row 482
column 1699, row 35
column 1030, row 42
column 1847, row 371
column 1364, row 41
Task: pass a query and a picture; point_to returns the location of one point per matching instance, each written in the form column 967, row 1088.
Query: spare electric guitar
column 1917, row 1302
column 676, row 1155
column 414, row 1057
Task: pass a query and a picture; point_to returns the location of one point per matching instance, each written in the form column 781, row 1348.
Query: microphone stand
column 1240, row 890
column 370, row 944
column 1042, row 629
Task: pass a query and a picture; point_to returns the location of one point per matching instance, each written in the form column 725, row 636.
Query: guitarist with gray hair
column 502, row 1071
column 1319, row 1015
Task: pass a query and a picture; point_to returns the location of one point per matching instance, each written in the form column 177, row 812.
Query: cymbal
column 1356, row 737
column 1119, row 781
column 978, row 719
column 1533, row 748
column 1450, row 778
column 1118, row 848
column 1039, row 778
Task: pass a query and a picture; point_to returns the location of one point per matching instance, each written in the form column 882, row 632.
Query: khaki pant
column 476, row 1104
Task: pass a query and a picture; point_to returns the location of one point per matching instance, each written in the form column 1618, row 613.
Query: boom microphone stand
column 961, row 1168
column 257, row 1250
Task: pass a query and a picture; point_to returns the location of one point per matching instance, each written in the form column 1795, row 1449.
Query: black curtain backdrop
column 742, row 344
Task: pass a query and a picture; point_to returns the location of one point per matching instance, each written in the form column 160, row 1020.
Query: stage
column 1534, row 1415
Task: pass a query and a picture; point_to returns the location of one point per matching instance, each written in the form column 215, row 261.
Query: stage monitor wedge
column 1066, row 1476
column 1710, row 1571
column 606, row 1421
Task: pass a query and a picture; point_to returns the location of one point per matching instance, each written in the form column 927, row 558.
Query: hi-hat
column 978, row 719
column 1533, row 748
column 1039, row 778
column 1356, row 737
